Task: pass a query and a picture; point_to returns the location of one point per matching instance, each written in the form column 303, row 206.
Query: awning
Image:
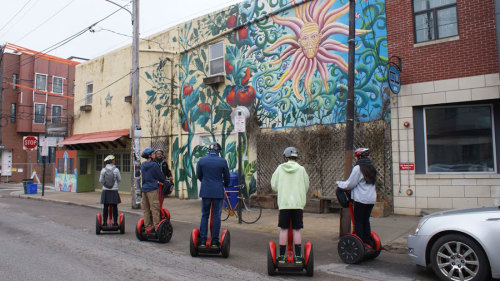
column 97, row 137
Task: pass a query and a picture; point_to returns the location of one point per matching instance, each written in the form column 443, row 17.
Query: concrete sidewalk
column 392, row 229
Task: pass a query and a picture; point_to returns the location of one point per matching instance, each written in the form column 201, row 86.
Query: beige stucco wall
column 110, row 74
column 438, row 191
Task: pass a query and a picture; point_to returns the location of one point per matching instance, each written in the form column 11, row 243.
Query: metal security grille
column 322, row 155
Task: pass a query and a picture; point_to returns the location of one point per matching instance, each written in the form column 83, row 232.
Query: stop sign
column 30, row 142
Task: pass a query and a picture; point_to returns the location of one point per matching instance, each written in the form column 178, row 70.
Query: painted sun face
column 311, row 46
column 309, row 39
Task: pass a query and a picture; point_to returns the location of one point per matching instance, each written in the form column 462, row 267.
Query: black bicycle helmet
column 145, row 154
column 362, row 152
column 215, row 147
column 291, row 152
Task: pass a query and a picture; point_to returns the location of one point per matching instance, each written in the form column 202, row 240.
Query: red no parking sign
column 30, row 143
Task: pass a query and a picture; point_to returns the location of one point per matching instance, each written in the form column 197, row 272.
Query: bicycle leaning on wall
column 250, row 208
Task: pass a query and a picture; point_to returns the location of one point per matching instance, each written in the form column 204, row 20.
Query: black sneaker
column 298, row 260
column 203, row 244
column 215, row 245
column 115, row 224
column 281, row 260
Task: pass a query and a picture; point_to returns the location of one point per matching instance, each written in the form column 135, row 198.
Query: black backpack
column 109, row 178
column 343, row 197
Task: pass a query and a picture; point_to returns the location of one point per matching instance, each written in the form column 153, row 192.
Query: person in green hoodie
column 291, row 182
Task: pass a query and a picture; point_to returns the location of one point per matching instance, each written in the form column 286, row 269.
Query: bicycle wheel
column 251, row 210
column 225, row 214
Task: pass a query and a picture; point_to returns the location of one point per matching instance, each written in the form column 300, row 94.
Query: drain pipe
column 497, row 22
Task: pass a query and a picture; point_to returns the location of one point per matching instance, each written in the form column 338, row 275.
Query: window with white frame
column 41, row 82
column 56, row 114
column 57, row 85
column 435, row 19
column 39, row 117
column 14, row 81
column 90, row 91
column 216, row 59
column 459, row 139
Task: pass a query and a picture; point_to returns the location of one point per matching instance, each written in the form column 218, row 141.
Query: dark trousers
column 362, row 227
column 205, row 213
column 105, row 213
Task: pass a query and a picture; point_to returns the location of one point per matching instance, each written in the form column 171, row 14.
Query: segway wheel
column 139, row 229
column 122, row 225
column 165, row 231
column 226, row 245
column 271, row 268
column 350, row 249
column 193, row 250
column 97, row 225
column 310, row 264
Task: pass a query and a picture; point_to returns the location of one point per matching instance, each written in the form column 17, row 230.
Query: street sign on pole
column 30, row 143
column 45, row 146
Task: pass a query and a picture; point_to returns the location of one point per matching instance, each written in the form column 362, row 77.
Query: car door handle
column 493, row 219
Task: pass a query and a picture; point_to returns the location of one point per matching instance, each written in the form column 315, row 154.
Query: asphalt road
column 42, row 240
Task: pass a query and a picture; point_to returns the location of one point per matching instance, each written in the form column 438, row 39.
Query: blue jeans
column 205, row 214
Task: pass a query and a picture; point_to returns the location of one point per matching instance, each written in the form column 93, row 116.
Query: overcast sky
column 40, row 24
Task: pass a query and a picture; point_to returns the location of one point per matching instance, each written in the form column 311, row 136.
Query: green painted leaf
column 150, row 92
column 148, row 75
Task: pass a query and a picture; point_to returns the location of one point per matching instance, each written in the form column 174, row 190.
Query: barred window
column 126, row 163
column 98, row 162
column 118, row 161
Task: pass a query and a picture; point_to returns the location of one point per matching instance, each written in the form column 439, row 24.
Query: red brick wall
column 475, row 53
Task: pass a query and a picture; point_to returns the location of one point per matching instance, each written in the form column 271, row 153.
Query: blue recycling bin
column 32, row 188
column 232, row 190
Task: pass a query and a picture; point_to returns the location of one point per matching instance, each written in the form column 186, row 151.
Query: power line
column 61, row 43
column 48, row 19
column 22, row 8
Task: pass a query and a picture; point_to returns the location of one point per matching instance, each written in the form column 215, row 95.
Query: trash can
column 232, row 190
column 25, row 184
column 32, row 188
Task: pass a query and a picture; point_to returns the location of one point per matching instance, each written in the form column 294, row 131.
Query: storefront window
column 459, row 139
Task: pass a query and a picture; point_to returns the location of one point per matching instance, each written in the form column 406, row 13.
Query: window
column 435, row 19
column 60, row 165
column 126, row 163
column 216, row 62
column 118, row 161
column 56, row 114
column 51, row 159
column 39, row 113
column 90, row 90
column 41, row 82
column 459, row 139
column 84, row 166
column 57, row 85
column 98, row 162
column 13, row 112
column 14, row 81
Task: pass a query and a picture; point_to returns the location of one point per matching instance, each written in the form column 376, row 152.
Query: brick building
column 36, row 100
column 446, row 116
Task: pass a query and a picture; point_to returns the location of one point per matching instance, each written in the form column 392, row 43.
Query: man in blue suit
column 213, row 172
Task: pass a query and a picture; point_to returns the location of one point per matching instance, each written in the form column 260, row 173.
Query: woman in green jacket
column 291, row 182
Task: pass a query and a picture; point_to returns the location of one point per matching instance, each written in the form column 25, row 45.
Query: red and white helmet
column 362, row 152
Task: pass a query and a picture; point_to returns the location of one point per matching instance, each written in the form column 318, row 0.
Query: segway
column 196, row 249
column 351, row 248
column 109, row 226
column 290, row 264
column 165, row 229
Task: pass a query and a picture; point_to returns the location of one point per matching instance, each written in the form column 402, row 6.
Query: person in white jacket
column 110, row 177
column 361, row 182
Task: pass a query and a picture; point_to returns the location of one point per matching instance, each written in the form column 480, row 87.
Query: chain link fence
column 322, row 154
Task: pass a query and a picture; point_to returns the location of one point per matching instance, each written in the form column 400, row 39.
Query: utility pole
column 136, row 125
column 345, row 215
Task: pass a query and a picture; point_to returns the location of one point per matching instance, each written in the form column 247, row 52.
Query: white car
column 459, row 244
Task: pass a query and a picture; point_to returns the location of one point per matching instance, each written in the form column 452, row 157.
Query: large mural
column 284, row 60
